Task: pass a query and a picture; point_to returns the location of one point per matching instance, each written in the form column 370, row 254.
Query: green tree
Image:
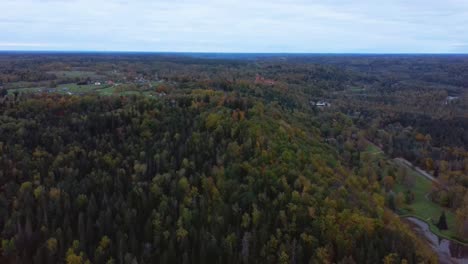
column 442, row 224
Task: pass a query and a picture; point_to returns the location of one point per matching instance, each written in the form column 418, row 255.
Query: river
column 449, row 252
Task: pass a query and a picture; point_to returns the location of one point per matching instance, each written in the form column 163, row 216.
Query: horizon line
column 231, row 52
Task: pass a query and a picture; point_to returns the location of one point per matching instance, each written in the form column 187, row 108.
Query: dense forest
column 165, row 158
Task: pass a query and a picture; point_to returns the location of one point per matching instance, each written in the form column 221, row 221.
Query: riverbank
column 421, row 206
column 434, row 230
column 447, row 250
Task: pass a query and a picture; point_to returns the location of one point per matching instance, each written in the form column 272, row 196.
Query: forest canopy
column 180, row 159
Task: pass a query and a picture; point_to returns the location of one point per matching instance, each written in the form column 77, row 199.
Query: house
column 140, row 80
column 450, row 99
column 320, row 103
column 97, row 83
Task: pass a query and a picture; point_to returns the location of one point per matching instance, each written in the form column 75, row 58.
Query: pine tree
column 442, row 224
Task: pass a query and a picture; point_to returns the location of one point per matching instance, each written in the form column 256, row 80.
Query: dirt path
column 422, row 172
column 448, row 251
column 405, row 163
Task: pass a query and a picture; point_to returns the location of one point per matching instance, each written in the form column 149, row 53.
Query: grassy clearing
column 113, row 90
column 373, row 150
column 373, row 154
column 17, row 85
column 423, row 208
column 74, row 88
column 75, row 74
column 357, row 89
column 24, row 90
column 108, row 91
column 81, row 89
column 61, row 89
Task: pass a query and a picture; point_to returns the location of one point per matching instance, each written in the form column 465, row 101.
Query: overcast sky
column 347, row 26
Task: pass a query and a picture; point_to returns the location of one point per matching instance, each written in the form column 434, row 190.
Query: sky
column 294, row 26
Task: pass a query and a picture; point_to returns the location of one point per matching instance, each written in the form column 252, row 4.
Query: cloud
column 19, row 44
column 237, row 26
column 460, row 47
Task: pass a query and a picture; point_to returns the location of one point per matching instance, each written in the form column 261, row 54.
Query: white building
column 320, row 103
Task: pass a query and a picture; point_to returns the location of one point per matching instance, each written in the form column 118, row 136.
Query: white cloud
column 19, row 44
column 238, row 26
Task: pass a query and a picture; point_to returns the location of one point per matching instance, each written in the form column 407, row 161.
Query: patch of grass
column 24, row 90
column 23, row 84
column 373, row 149
column 357, row 89
column 130, row 93
column 74, row 88
column 60, row 89
column 107, row 91
column 75, row 74
column 423, row 208
column 112, row 90
column 372, row 153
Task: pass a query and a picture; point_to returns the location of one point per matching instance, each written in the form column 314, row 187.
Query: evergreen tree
column 442, row 224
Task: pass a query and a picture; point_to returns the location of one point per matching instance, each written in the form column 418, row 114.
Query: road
column 419, row 170
column 448, row 251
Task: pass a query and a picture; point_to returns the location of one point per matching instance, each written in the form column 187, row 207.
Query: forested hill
column 201, row 178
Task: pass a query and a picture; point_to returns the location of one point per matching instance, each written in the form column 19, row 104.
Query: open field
column 75, row 74
column 422, row 207
column 60, row 89
column 357, row 89
column 72, row 88
column 373, row 150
